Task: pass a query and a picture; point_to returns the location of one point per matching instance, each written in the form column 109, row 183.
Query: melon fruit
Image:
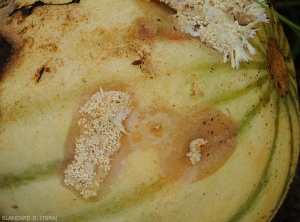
column 201, row 141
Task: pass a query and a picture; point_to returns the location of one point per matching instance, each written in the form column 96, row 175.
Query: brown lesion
column 170, row 134
column 277, row 68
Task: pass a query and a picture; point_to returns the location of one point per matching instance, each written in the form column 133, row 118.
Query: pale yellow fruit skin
column 91, row 45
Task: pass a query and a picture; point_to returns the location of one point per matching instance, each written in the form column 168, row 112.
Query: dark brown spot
column 137, row 62
column 277, row 68
column 39, row 73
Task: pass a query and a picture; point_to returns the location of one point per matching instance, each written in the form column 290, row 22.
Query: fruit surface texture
column 194, row 138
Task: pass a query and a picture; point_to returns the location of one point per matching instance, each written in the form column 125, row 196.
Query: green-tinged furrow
column 256, row 108
column 261, row 43
column 232, row 95
column 288, row 105
column 36, row 172
column 293, row 93
column 254, row 196
column 117, row 206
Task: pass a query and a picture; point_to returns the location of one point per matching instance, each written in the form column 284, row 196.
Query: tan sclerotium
column 100, row 132
column 223, row 25
column 195, row 148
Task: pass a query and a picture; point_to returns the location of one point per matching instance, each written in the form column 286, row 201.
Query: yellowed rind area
column 88, row 45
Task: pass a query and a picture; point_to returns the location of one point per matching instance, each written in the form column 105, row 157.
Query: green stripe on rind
column 293, row 94
column 293, row 100
column 35, row 172
column 254, row 196
column 116, row 206
column 112, row 207
column 292, row 82
column 293, row 155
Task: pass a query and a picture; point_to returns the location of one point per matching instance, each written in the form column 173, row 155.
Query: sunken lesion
column 209, row 131
column 276, row 67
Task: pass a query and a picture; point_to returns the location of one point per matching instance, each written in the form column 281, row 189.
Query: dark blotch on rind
column 5, row 53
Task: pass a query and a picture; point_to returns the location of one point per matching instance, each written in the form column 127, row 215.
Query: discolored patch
column 277, row 68
column 149, row 28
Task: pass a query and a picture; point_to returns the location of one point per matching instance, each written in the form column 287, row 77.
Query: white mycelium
column 225, row 25
column 195, row 148
column 100, row 132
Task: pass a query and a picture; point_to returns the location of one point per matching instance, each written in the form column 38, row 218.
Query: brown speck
column 47, row 69
column 137, row 62
column 193, row 92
